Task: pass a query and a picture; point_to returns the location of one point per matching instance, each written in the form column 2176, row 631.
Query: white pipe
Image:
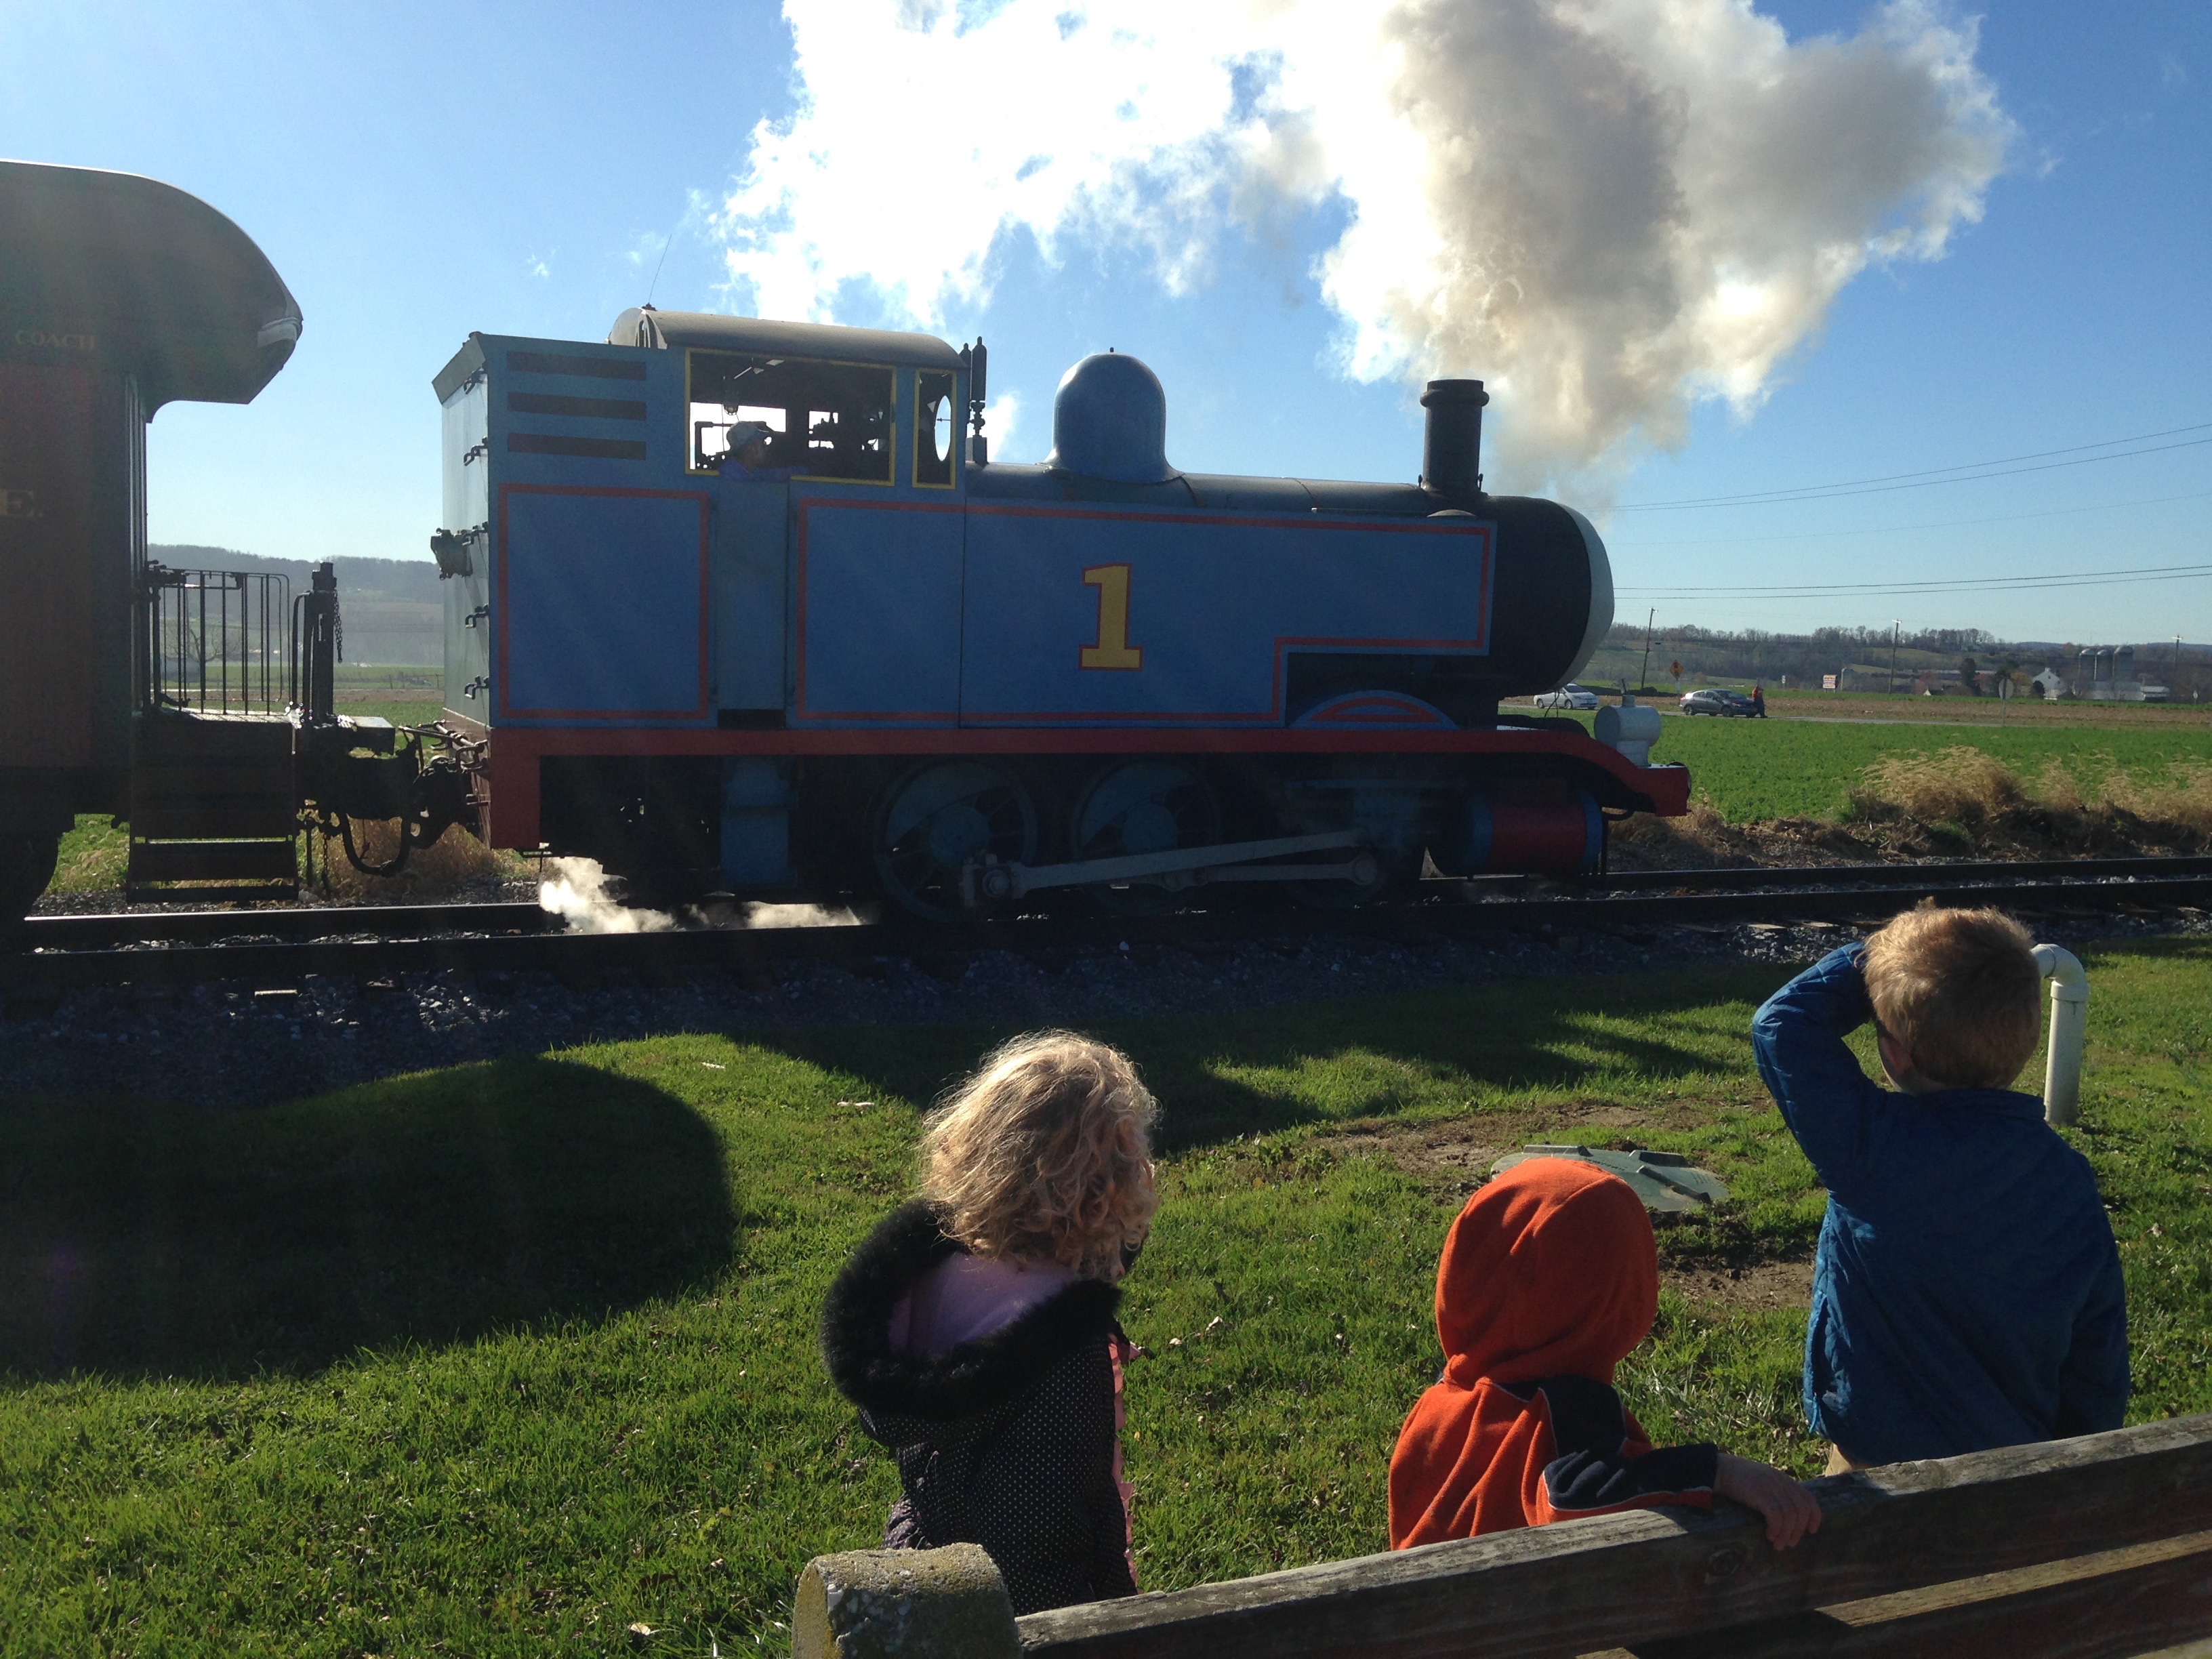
column 2069, row 1011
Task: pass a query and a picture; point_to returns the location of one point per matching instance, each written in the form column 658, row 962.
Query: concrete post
column 904, row 1604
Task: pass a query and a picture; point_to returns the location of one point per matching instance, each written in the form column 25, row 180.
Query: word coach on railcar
column 744, row 605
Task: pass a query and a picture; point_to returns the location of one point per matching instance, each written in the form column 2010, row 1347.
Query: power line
column 1971, row 472
column 1902, row 529
column 1961, row 585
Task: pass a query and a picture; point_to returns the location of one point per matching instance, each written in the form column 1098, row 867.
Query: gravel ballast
column 231, row 1044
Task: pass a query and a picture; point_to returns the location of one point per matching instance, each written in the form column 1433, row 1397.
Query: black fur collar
column 974, row 1377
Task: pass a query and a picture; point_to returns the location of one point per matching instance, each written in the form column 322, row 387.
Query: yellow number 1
column 1113, row 649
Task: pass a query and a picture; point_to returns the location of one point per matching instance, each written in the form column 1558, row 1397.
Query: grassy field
column 1751, row 769
column 503, row 1359
column 1782, row 768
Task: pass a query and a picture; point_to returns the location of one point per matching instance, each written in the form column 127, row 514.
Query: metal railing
column 216, row 641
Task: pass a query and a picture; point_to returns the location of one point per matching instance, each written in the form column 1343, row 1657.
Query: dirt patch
column 1756, row 1287
column 1452, row 1156
column 1704, row 840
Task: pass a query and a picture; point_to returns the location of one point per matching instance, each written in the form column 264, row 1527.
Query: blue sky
column 416, row 172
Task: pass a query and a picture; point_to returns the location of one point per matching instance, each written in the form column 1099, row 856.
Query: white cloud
column 1606, row 208
column 1001, row 420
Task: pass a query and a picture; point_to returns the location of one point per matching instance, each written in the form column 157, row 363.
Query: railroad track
column 369, row 943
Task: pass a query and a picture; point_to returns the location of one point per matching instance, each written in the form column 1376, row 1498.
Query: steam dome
column 1109, row 420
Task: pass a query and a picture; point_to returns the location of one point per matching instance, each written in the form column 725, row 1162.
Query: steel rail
column 91, row 931
column 291, row 922
column 750, row 953
column 1923, row 869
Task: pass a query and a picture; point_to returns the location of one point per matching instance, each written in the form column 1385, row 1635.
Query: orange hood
column 1549, row 1271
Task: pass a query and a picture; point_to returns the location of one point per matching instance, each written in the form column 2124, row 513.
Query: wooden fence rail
column 2074, row 1549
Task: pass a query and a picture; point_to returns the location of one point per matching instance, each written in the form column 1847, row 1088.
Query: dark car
column 1718, row 700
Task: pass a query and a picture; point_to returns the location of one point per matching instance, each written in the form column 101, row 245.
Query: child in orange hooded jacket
column 1549, row 1278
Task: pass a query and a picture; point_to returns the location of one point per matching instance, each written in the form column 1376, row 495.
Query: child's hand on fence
column 1790, row 1511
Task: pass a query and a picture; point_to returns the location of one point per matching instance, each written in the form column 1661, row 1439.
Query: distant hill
column 392, row 610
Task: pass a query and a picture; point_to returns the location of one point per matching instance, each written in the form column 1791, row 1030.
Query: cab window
column 936, row 426
column 816, row 420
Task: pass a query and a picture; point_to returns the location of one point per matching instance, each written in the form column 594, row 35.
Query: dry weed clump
column 456, row 863
column 1960, row 784
column 2183, row 798
column 1961, row 802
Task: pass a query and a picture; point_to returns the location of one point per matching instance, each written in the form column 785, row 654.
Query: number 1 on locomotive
column 1113, row 649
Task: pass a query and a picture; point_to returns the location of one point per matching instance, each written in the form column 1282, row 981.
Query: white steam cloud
column 1606, row 208
column 580, row 891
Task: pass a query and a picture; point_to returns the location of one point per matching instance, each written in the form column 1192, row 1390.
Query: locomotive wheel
column 939, row 817
column 1143, row 806
column 27, row 865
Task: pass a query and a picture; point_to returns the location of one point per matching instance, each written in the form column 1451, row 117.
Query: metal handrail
column 215, row 642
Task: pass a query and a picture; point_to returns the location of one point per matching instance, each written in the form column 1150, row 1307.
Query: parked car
column 1717, row 700
column 1569, row 695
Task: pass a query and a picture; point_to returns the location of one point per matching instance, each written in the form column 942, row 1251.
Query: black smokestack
column 1451, row 450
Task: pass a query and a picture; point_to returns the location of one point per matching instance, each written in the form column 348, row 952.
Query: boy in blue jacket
column 1966, row 1293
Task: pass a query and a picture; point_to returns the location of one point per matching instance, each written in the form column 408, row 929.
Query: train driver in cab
column 750, row 453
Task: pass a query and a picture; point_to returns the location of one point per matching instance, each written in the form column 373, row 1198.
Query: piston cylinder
column 1554, row 832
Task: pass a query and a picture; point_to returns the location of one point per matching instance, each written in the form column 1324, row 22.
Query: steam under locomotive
column 744, row 605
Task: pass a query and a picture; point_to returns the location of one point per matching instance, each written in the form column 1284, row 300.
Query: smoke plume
column 1609, row 210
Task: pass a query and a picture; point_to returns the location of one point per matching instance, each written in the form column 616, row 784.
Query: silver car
column 1718, row 700
column 1569, row 695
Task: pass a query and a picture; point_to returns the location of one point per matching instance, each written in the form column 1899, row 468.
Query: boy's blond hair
column 1044, row 1152
column 1959, row 991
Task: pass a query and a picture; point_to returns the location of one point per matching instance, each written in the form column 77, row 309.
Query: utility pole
column 1643, row 677
column 1896, row 629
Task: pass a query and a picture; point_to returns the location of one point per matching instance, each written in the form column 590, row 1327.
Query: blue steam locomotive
column 747, row 603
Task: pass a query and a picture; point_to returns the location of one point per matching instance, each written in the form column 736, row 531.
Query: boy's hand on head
column 1790, row 1511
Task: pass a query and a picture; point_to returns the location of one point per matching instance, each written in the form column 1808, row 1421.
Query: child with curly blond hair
column 975, row 1328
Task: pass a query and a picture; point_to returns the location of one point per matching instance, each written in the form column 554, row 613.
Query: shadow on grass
column 1365, row 1056
column 143, row 1239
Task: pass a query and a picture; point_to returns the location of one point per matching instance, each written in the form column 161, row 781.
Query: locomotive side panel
column 752, row 559
column 1143, row 617
column 878, row 611
column 603, row 606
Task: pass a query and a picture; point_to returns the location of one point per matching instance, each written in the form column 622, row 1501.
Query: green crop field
column 1783, row 768
column 1751, row 769
column 500, row 1359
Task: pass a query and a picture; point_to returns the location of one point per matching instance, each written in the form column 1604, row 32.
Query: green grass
column 1773, row 768
column 499, row 1359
